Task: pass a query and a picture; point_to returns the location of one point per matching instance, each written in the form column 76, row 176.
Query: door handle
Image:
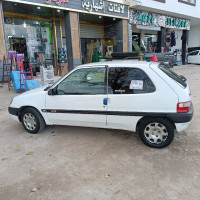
column 105, row 101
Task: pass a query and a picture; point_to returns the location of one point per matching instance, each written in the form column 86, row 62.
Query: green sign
column 177, row 23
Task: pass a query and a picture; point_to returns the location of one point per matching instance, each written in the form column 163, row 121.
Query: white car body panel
column 34, row 98
column 164, row 100
column 79, row 103
column 194, row 59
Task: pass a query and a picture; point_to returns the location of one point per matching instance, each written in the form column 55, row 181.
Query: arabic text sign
column 95, row 5
column 101, row 7
column 57, row 2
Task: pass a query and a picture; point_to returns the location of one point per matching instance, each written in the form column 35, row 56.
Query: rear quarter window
column 125, row 80
column 172, row 75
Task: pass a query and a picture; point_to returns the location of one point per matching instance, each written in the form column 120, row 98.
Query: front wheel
column 156, row 132
column 32, row 120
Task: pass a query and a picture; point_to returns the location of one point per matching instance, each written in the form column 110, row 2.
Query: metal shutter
column 63, row 29
column 87, row 30
column 91, row 31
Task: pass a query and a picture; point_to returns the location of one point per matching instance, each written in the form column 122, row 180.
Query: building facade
column 164, row 25
column 84, row 30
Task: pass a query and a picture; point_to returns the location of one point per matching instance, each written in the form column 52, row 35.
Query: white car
column 126, row 94
column 194, row 57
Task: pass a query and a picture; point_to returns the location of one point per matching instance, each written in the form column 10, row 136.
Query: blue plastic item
column 16, row 85
column 31, row 84
column 16, row 75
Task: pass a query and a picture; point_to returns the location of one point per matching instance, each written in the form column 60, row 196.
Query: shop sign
column 57, row 2
column 101, row 7
column 151, row 19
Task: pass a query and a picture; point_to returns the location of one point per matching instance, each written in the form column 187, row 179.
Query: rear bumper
column 181, row 117
column 181, row 126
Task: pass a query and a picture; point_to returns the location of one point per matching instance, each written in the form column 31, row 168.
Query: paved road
column 70, row 163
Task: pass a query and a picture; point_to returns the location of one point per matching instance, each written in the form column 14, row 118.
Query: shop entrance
column 18, row 45
column 91, row 50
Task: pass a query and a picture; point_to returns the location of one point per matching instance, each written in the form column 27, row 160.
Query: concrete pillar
column 71, row 20
column 161, row 39
column 130, row 37
column 122, row 36
column 125, row 35
column 184, row 42
column 2, row 35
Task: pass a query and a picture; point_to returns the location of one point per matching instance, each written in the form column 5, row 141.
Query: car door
column 78, row 99
column 129, row 92
column 192, row 58
column 198, row 58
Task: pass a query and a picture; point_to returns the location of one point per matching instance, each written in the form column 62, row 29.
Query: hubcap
column 29, row 121
column 156, row 133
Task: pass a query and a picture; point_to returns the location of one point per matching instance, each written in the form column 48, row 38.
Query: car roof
column 120, row 63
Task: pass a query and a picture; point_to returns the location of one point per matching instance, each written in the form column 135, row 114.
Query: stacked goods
column 16, row 80
column 61, row 68
column 47, row 75
column 26, row 84
column 62, row 56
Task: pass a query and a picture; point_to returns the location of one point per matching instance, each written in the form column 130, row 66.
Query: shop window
column 129, row 81
column 89, row 81
column 31, row 38
column 150, row 42
column 189, row 2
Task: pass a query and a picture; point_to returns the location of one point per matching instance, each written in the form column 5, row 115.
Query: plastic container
column 31, row 84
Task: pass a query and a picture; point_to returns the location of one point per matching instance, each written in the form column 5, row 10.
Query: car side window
column 129, row 81
column 194, row 53
column 86, row 81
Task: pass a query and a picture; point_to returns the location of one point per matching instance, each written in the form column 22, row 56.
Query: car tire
column 32, row 120
column 156, row 132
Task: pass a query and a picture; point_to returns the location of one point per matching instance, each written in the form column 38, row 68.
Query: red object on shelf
column 20, row 65
column 23, row 78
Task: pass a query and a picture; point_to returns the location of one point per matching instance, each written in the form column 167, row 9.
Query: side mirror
column 52, row 92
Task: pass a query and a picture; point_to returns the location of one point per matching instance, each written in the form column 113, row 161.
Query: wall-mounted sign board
column 144, row 18
column 117, row 9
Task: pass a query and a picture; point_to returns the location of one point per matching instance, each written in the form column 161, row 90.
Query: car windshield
column 172, row 75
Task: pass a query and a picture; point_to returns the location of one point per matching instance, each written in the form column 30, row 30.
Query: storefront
column 151, row 32
column 64, row 30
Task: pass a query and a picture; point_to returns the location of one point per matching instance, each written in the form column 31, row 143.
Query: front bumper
column 13, row 111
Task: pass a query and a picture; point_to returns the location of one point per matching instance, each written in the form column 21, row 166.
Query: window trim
column 188, row 3
column 161, row 1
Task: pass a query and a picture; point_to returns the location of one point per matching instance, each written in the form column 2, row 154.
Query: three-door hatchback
column 131, row 95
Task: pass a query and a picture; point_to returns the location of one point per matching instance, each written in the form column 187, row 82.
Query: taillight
column 183, row 107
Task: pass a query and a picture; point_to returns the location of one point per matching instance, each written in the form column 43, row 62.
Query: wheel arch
column 24, row 107
column 147, row 117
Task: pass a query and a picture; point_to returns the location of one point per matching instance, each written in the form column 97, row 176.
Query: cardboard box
column 62, row 69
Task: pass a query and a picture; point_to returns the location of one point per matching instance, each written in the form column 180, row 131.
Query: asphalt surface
column 72, row 163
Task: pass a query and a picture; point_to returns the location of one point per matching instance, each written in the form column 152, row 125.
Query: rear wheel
column 156, row 132
column 32, row 120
